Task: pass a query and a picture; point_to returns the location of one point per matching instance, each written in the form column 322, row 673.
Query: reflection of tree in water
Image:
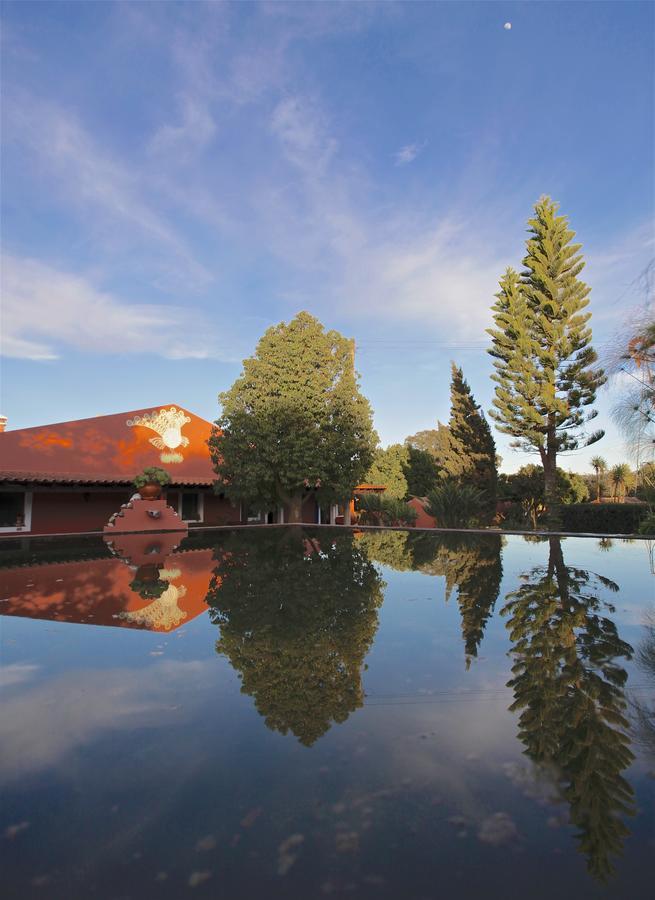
column 568, row 688
column 388, row 548
column 645, row 710
column 470, row 564
column 473, row 567
column 298, row 615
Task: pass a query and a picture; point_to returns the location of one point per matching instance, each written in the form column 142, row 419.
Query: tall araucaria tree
column 472, row 438
column 546, row 374
column 295, row 420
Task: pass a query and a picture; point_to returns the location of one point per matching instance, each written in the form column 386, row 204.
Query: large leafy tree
column 439, row 444
column 297, row 615
column 421, row 472
column 546, row 374
column 568, row 685
column 388, row 468
column 475, row 449
column 295, row 420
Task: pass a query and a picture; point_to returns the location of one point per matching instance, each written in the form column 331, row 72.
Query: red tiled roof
column 85, row 478
column 110, row 449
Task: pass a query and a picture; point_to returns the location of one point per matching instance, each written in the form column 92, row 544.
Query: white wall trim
column 201, row 505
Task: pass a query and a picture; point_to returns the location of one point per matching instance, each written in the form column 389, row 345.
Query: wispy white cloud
column 106, row 190
column 408, row 153
column 47, row 312
column 301, row 130
column 194, row 131
column 400, row 265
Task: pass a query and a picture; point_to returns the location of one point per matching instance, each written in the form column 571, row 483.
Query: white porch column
column 280, row 516
column 333, row 514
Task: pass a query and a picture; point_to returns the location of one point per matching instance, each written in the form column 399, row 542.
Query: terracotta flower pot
column 150, row 491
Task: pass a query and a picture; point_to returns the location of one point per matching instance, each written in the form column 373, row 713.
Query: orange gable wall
column 105, row 447
column 423, row 520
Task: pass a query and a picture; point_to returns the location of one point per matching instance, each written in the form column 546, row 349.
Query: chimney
column 3, row 423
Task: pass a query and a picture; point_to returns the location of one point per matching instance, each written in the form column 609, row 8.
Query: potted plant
column 149, row 590
column 150, row 482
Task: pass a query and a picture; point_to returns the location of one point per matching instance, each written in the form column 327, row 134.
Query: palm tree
column 599, row 466
column 619, row 475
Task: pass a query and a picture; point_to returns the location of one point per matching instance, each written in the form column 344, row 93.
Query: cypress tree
column 475, row 449
column 545, row 376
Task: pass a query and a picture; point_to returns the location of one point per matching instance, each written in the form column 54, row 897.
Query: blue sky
column 176, row 178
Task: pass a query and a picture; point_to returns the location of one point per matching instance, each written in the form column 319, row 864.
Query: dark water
column 276, row 713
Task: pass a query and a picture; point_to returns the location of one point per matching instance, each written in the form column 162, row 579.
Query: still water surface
column 305, row 714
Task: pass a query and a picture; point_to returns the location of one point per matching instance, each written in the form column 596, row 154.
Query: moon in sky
column 507, row 26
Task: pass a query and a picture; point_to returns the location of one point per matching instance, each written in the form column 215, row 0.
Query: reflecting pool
column 307, row 713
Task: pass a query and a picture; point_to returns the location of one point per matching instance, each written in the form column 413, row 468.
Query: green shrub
column 603, row 518
column 149, row 590
column 377, row 509
column 455, row 505
column 528, row 485
column 152, row 475
column 647, row 525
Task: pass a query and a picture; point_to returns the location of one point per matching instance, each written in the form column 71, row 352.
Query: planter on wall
column 150, row 491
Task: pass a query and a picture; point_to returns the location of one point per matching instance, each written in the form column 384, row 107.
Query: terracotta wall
column 218, row 510
column 309, row 510
column 74, row 511
column 423, row 520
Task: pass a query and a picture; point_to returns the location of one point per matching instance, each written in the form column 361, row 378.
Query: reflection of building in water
column 162, row 614
column 154, row 588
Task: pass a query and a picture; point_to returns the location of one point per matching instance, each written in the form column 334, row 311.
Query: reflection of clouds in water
column 629, row 615
column 41, row 726
column 532, row 782
column 17, row 673
column 448, row 750
column 498, row 829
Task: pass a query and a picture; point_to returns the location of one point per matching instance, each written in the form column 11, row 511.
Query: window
column 15, row 511
column 191, row 506
column 253, row 515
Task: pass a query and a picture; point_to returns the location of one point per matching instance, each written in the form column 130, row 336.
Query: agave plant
column 375, row 509
column 455, row 505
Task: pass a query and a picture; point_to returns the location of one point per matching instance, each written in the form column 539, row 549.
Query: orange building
column 71, row 477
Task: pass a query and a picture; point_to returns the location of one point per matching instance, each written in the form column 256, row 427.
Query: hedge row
column 602, row 518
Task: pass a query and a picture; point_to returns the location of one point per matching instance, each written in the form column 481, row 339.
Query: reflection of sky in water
column 133, row 765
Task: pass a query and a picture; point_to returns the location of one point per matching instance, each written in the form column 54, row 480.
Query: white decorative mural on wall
column 168, row 424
